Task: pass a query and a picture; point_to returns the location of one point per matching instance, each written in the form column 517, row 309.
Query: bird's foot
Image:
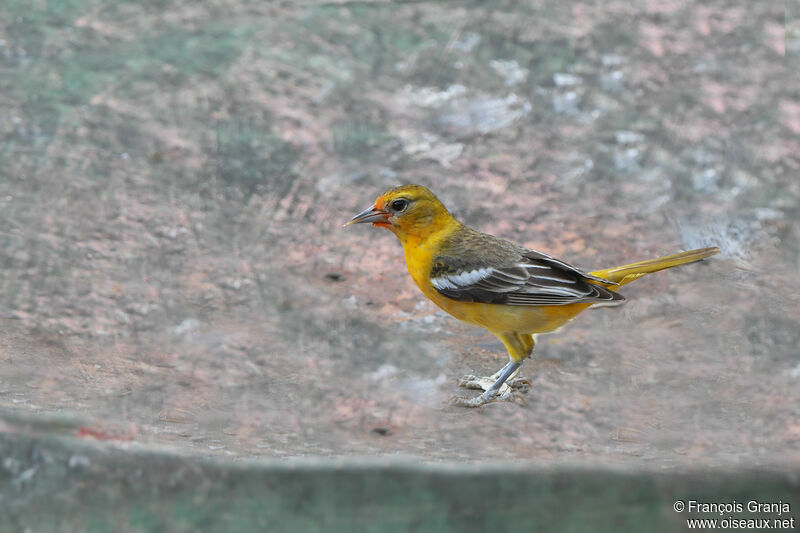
column 520, row 384
column 484, row 383
column 510, row 391
column 509, row 395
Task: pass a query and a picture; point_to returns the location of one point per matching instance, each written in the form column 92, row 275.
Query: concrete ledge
column 65, row 484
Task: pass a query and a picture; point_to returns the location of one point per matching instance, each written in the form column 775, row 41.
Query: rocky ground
column 174, row 177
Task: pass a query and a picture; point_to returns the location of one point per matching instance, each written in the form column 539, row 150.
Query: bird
column 510, row 290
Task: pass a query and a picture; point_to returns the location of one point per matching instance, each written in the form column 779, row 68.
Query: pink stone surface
column 147, row 291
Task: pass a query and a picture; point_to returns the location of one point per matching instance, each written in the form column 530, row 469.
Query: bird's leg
column 498, row 387
column 514, row 382
column 484, row 383
column 493, row 393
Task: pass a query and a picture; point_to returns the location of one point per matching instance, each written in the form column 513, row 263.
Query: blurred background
column 174, row 177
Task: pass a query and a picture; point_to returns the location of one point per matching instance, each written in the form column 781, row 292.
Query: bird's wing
column 532, row 279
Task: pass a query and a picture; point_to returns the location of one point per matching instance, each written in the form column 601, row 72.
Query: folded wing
column 531, row 279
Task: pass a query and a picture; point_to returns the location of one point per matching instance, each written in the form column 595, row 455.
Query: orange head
column 409, row 211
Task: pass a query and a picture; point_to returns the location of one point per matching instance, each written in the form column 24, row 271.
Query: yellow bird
column 508, row 289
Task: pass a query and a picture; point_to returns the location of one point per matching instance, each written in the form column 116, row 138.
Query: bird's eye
column 399, row 205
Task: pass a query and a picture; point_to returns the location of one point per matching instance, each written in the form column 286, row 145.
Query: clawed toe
column 478, row 401
column 474, row 382
column 515, row 396
column 503, row 386
column 520, row 384
column 467, row 380
column 485, row 382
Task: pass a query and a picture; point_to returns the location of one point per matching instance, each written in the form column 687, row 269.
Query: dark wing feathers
column 516, row 276
column 545, row 259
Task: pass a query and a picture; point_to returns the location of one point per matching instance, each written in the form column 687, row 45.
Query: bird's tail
column 627, row 273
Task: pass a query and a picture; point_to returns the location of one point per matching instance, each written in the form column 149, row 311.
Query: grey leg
column 482, row 382
column 511, row 368
column 498, row 387
column 497, row 391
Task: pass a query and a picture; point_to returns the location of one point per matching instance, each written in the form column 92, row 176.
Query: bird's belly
column 504, row 318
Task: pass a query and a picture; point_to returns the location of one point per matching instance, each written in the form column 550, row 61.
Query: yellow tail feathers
column 627, row 273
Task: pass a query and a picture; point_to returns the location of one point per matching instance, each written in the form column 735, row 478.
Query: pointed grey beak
column 370, row 214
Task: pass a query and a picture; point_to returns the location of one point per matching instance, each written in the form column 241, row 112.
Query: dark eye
column 399, row 205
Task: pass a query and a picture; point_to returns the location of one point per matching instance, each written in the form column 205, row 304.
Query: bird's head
column 411, row 212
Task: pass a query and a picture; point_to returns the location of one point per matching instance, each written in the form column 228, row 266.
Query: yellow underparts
column 514, row 325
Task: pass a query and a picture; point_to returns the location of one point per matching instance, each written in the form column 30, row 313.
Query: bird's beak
column 370, row 214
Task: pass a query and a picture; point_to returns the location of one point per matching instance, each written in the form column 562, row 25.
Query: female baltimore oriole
column 510, row 290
